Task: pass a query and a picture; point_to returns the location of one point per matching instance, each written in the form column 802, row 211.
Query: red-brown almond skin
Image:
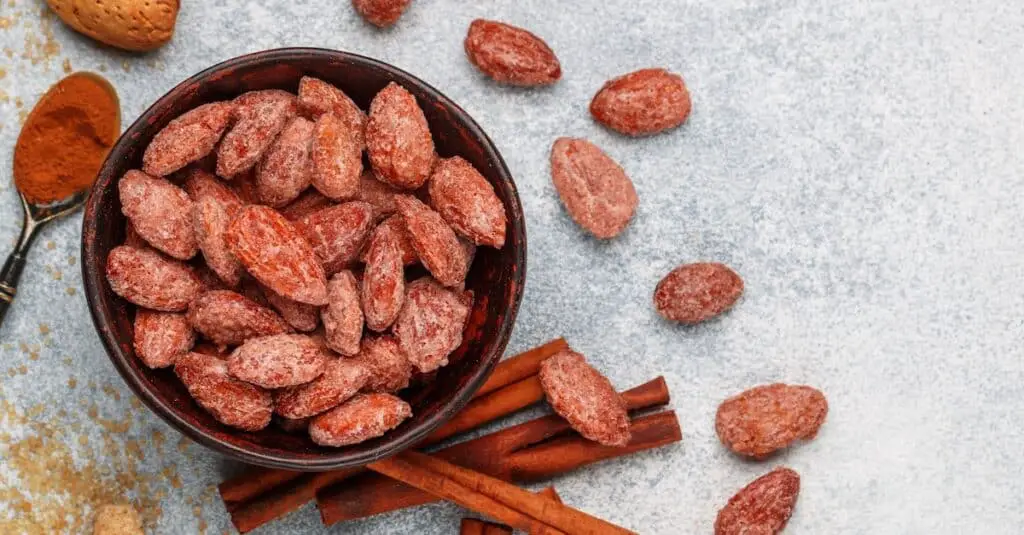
column 261, row 117
column 378, row 194
column 337, row 158
column 594, row 189
column 394, row 227
column 389, row 370
column 398, row 139
column 761, row 508
column 435, row 242
column 467, row 202
column 341, row 380
column 381, row 13
column 232, row 402
column 150, row 280
column 244, row 185
column 343, row 316
column 160, row 212
column 199, row 183
column 585, row 398
column 765, row 419
column 510, row 54
column 338, row 233
column 383, row 290
column 430, row 324
column 227, row 318
column 317, row 97
column 300, row 316
column 188, row 138
column 161, row 337
column 275, row 253
column 643, row 102
column 210, row 219
column 309, row 202
column 286, row 170
column 278, row 361
column 692, row 293
column 361, row 418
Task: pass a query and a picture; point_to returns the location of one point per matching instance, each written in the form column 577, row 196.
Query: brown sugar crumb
column 72, row 382
column 117, row 520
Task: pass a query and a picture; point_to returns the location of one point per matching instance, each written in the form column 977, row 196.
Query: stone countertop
column 860, row 164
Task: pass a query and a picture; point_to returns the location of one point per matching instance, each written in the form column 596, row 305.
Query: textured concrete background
column 858, row 163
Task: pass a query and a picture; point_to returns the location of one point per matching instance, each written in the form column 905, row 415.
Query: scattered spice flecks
column 72, row 382
column 67, row 66
column 40, row 44
column 72, row 260
column 71, row 291
column 50, row 245
column 44, row 329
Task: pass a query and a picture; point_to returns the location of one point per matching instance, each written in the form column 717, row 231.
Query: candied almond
column 229, row 318
column 767, row 418
column 188, row 138
column 287, row 169
column 231, row 402
column 361, row 418
column 150, row 280
column 643, row 102
column 692, row 293
column 383, row 289
column 585, row 398
column 388, row 369
column 510, row 54
column 261, row 117
column 278, row 361
column 467, row 202
column 338, row 233
column 317, row 97
column 398, row 139
column 436, row 244
column 430, row 325
column 341, row 380
column 343, row 316
column 160, row 212
column 763, row 506
column 337, row 158
column 161, row 337
column 594, row 189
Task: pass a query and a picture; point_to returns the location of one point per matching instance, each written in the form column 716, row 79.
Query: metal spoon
column 36, row 215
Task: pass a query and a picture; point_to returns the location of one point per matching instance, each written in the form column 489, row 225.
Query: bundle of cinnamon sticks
column 536, row 450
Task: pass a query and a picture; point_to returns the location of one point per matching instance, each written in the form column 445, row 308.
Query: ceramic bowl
column 496, row 277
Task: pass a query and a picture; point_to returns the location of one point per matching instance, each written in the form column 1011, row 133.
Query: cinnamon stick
column 401, row 468
column 263, row 494
column 475, row 526
column 506, row 454
column 559, row 516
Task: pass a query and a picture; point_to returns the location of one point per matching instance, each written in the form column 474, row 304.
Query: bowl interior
column 496, row 277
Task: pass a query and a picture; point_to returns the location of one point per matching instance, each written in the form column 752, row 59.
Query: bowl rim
column 94, row 273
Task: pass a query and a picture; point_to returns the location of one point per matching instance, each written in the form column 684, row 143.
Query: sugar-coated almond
column 388, row 369
column 210, row 219
column 643, row 102
column 467, row 202
column 510, row 54
column 160, row 212
column 231, row 402
column 763, row 507
column 337, row 156
column 229, row 318
column 430, row 324
column 585, row 398
column 692, row 293
column 187, row 138
column 261, row 117
column 286, row 170
column 343, row 316
column 593, row 188
column 273, row 251
column 278, row 361
column 398, row 139
column 383, row 289
column 338, row 233
column 161, row 337
column 150, row 280
column 377, row 194
column 341, row 380
column 317, row 97
column 300, row 316
column 765, row 419
column 435, row 242
column 200, row 183
column 393, row 228
column 361, row 418
column 381, row 13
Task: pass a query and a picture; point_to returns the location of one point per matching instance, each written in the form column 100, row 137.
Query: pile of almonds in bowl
column 254, row 227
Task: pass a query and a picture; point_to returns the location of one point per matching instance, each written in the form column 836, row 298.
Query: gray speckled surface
column 860, row 164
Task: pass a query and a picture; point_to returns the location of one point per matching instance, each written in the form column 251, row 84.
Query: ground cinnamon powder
column 66, row 138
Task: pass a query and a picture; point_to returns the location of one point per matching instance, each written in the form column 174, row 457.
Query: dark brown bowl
column 496, row 278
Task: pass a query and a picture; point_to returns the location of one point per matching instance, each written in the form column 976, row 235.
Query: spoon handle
column 15, row 264
column 9, row 276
